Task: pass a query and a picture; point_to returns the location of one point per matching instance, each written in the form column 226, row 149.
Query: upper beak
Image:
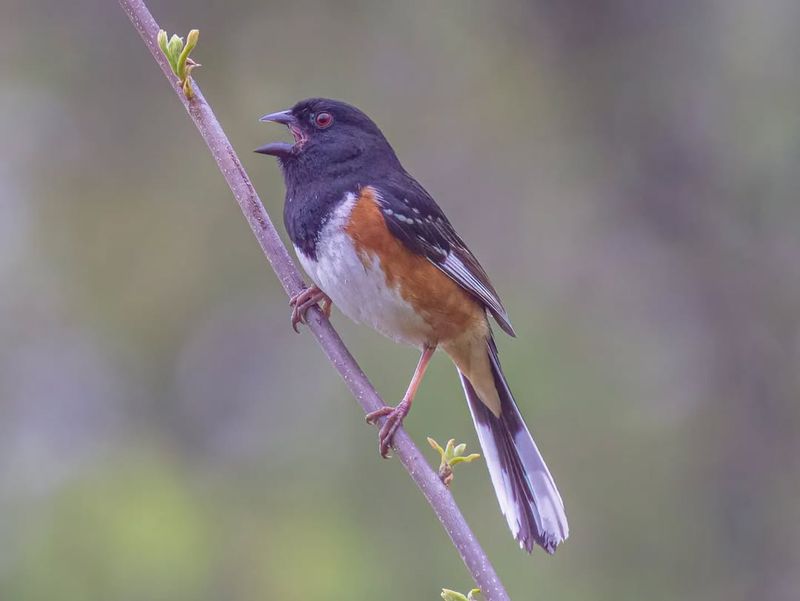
column 284, row 117
column 278, row 149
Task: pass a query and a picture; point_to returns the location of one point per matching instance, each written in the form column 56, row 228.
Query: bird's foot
column 302, row 302
column 394, row 419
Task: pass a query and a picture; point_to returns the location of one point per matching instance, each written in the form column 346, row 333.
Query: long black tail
column 525, row 489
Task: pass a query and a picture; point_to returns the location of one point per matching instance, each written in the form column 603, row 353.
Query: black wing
column 415, row 218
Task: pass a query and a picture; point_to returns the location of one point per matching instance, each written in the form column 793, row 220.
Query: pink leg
column 395, row 415
column 302, row 302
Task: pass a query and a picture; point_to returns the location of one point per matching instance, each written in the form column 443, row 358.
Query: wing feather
column 415, row 218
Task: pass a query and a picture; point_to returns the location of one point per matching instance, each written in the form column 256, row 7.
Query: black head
column 327, row 134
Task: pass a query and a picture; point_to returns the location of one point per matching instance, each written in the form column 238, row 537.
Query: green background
column 626, row 171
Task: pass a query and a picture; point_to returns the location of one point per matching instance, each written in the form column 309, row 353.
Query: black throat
column 316, row 186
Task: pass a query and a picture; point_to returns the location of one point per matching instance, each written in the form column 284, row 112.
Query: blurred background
column 626, row 170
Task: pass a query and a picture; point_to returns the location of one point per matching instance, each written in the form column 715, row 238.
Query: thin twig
column 426, row 479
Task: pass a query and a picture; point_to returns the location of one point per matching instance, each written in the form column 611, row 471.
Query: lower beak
column 276, row 149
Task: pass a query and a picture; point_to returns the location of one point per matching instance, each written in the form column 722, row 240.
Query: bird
column 378, row 247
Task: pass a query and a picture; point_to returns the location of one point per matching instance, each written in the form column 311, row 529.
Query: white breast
column 360, row 291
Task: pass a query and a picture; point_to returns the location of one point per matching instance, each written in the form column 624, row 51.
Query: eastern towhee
column 378, row 247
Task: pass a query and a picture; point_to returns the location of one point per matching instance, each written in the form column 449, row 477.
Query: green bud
column 178, row 56
column 464, row 459
column 191, row 42
column 451, row 456
column 175, row 45
column 162, row 41
column 435, row 446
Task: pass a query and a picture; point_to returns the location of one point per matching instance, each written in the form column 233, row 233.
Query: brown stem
column 231, row 168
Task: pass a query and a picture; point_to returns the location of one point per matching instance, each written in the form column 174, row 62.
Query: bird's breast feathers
column 374, row 279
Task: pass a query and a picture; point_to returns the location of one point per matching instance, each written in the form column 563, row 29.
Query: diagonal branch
column 231, row 168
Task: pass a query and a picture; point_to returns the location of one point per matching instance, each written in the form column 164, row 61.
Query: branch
column 231, row 168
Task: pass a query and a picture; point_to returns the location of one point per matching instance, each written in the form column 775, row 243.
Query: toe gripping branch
column 306, row 299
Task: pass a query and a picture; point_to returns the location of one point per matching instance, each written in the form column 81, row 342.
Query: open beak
column 281, row 149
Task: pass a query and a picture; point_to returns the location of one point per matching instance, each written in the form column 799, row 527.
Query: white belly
column 358, row 290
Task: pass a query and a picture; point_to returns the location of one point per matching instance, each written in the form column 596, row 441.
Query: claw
column 372, row 418
column 306, row 299
column 394, row 419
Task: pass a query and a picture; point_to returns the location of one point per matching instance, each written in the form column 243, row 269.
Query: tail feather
column 525, row 489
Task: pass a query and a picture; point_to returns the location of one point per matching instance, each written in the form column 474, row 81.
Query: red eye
column 323, row 120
